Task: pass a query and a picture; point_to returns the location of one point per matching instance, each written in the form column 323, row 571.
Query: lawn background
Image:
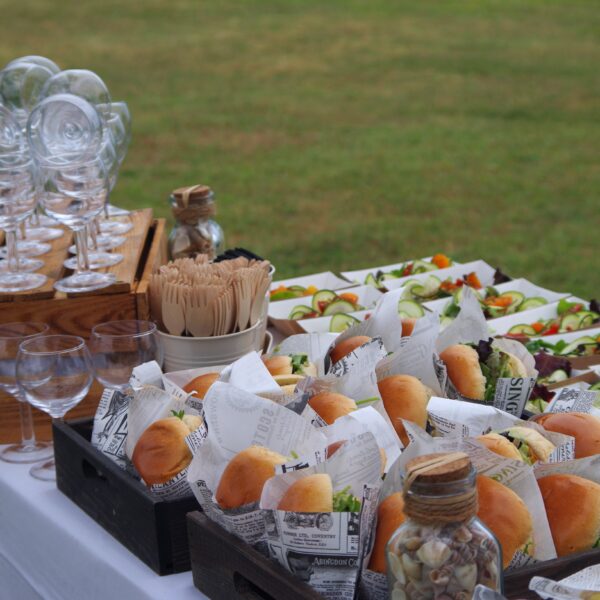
column 347, row 134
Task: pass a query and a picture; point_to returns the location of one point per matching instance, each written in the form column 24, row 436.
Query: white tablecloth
column 51, row 549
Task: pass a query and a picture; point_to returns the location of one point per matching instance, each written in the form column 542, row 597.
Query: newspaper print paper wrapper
column 454, row 418
column 579, row 585
column 470, row 327
column 109, row 434
column 237, row 419
column 326, row 549
column 315, row 345
column 574, row 400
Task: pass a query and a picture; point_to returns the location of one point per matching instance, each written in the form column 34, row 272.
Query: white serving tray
column 322, row 281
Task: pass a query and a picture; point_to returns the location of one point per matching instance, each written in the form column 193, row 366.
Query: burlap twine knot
column 194, row 203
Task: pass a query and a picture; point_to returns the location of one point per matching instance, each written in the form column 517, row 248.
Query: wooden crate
column 144, row 250
column 226, row 568
column 152, row 529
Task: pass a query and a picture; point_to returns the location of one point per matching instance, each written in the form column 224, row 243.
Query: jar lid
column 194, row 193
column 439, row 467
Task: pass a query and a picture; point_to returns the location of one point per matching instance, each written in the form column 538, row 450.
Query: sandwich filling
column 299, row 363
column 344, row 501
column 495, row 364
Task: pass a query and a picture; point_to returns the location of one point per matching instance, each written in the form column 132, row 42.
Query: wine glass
column 11, row 335
column 55, row 373
column 37, row 60
column 118, row 347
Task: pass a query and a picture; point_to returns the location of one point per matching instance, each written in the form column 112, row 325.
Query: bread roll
column 244, row 477
column 500, row 445
column 199, row 385
column 278, row 365
column 346, row 346
column 161, row 451
column 331, row 406
column 390, row 516
column 404, row 397
column 462, row 363
column 506, row 515
column 313, row 493
column 573, row 508
column 583, row 427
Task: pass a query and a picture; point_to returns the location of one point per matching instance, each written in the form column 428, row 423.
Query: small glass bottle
column 195, row 231
column 442, row 550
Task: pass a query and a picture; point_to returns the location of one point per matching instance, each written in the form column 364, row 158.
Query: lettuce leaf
column 344, row 501
column 299, row 361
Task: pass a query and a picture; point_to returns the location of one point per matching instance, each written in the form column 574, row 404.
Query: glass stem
column 83, row 262
column 91, row 230
column 27, row 431
column 11, row 250
column 35, row 217
column 22, row 230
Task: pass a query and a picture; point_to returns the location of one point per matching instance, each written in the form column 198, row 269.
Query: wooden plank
column 53, row 269
column 125, row 272
column 157, row 255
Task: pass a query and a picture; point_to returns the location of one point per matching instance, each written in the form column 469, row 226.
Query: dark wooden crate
column 154, row 530
column 225, row 568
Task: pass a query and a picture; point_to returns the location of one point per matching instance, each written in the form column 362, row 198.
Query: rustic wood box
column 145, row 249
column 154, row 530
column 225, row 568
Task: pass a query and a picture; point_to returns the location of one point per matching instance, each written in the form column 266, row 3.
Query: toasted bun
column 161, row 451
column 313, row 493
column 408, row 325
column 464, row 371
column 199, row 385
column 505, row 514
column 404, row 397
column 540, row 448
column 331, row 406
column 500, row 445
column 390, row 516
column 245, row 475
column 583, row 427
column 278, row 365
column 573, row 508
column 346, row 346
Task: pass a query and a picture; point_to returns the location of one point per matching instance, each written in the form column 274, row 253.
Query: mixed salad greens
column 326, row 303
column 439, row 261
column 293, row 291
column 344, row 501
column 571, row 316
column 434, row 288
column 585, row 345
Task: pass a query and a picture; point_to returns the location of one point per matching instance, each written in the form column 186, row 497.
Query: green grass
column 345, row 134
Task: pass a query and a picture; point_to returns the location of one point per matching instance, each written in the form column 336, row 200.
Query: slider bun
column 245, row 475
column 161, row 452
column 288, row 382
column 346, row 346
column 200, row 384
column 498, row 444
column 408, row 325
column 330, row 406
column 505, row 514
column 404, row 397
column 583, row 427
column 462, row 363
column 313, row 493
column 390, row 516
column 280, row 364
column 573, row 508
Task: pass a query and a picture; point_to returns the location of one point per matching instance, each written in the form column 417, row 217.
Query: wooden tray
column 144, row 250
column 154, row 530
column 225, row 568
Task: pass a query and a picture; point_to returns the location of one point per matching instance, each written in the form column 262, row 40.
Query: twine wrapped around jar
column 194, row 203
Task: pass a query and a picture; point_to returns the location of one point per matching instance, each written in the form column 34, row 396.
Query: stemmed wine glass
column 118, row 347
column 11, row 335
column 66, row 138
column 55, row 373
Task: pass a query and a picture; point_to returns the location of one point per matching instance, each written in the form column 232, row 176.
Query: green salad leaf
column 299, row 361
column 179, row 414
column 344, row 501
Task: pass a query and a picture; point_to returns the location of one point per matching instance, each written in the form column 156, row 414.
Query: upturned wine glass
column 55, row 373
column 118, row 347
column 28, row 450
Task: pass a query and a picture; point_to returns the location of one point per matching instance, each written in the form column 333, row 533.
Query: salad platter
column 580, row 348
column 306, row 285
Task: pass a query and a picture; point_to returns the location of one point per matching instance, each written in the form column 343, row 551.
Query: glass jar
column 195, row 231
column 442, row 550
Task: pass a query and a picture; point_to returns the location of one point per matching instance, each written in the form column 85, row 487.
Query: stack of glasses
column 62, row 142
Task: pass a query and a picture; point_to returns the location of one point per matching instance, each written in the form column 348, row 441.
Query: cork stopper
column 439, row 467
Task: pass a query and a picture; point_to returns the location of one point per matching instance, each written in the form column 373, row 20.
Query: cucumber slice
column 421, row 266
column 445, row 321
column 286, row 295
column 299, row 311
column 339, row 306
column 432, row 286
column 522, row 330
column 370, row 280
column 586, row 340
column 595, row 387
column 532, row 302
column 297, row 288
column 556, row 376
column 495, row 311
column 410, row 308
column 341, row 322
column 322, row 296
column 515, row 297
column 570, row 322
column 389, row 276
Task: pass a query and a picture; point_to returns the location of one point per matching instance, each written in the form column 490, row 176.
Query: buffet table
column 51, row 549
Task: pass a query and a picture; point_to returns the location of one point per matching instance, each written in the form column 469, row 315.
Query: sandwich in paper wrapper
column 236, row 420
column 515, row 475
column 322, row 547
column 510, row 392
